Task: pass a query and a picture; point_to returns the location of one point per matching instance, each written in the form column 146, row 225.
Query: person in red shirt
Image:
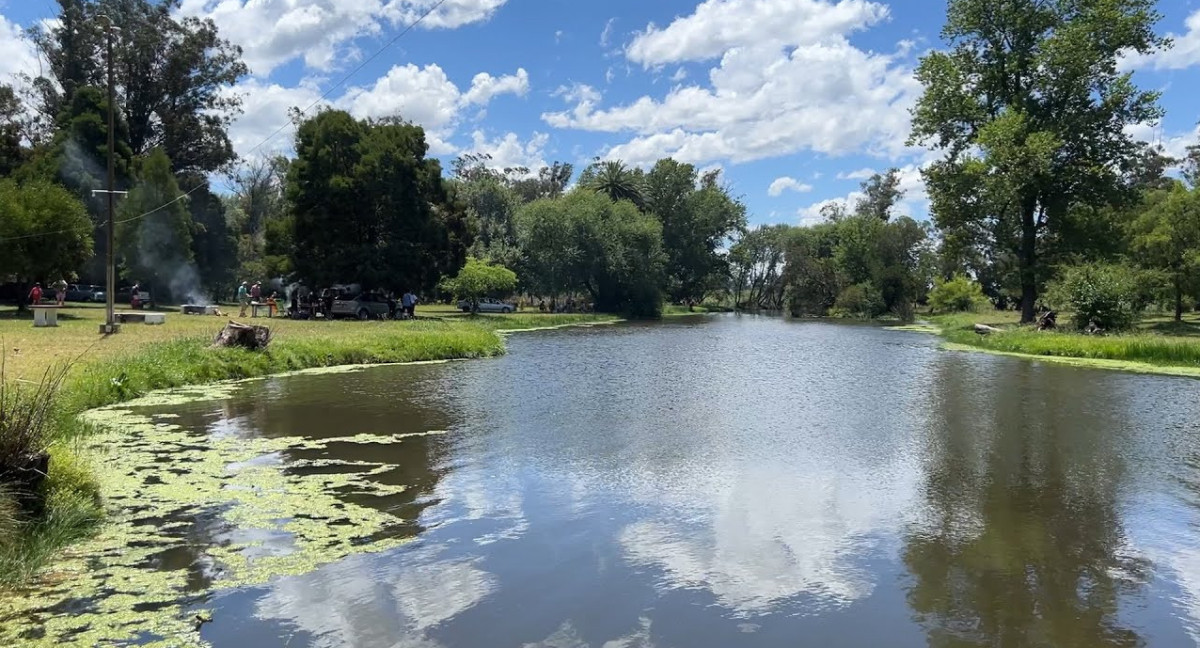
column 35, row 295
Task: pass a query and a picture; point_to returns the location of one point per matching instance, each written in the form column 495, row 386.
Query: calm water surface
column 738, row 481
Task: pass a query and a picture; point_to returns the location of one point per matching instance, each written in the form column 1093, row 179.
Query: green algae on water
column 232, row 508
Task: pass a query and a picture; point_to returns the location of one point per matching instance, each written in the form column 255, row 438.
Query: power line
column 346, row 77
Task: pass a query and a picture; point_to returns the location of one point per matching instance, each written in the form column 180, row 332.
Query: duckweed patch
column 238, row 513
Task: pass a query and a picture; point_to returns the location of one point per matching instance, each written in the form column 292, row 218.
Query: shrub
column 861, row 300
column 1109, row 296
column 956, row 295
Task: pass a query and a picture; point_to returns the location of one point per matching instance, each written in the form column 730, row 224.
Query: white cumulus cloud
column 720, row 25
column 321, row 32
column 508, row 151
column 1183, row 54
column 785, row 183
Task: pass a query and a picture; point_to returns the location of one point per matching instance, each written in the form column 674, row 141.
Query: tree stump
column 236, row 334
column 1048, row 321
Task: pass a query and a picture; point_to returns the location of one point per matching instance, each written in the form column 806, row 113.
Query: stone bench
column 45, row 315
column 133, row 317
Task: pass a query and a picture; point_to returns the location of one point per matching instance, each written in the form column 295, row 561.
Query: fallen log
column 984, row 329
column 247, row 336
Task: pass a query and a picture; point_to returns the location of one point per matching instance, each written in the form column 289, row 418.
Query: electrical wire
column 346, row 77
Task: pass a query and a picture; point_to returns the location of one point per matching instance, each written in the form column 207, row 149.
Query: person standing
column 243, row 297
column 35, row 294
column 255, row 298
column 60, row 291
column 409, row 301
column 135, row 297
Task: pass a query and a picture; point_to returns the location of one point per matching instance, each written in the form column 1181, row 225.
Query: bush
column 862, row 300
column 957, row 295
column 1109, row 296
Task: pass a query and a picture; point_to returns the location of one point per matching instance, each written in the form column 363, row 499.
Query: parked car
column 125, row 297
column 85, row 293
column 363, row 306
column 488, row 305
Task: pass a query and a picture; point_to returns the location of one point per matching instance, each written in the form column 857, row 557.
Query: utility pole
column 110, row 289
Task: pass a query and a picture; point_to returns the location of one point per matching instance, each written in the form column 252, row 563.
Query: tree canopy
column 478, row 279
column 30, row 210
column 1030, row 110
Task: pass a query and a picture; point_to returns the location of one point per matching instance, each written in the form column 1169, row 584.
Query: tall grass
column 1148, row 348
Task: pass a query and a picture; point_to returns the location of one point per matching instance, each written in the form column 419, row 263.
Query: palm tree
column 618, row 182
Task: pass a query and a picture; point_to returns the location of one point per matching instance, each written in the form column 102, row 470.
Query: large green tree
column 757, row 263
column 154, row 233
column 478, row 279
column 370, row 207
column 174, row 75
column 584, row 242
column 1030, row 108
column 698, row 217
column 28, row 211
column 1166, row 237
column 12, row 119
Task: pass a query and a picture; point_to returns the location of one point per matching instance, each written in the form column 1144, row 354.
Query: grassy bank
column 142, row 358
column 1155, row 343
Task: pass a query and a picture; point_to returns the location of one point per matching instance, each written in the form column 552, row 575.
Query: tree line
column 1039, row 193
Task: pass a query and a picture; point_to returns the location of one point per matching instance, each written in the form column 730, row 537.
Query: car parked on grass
column 85, row 293
column 363, row 306
column 487, row 305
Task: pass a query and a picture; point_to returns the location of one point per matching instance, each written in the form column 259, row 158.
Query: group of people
column 306, row 304
column 60, row 293
column 568, row 306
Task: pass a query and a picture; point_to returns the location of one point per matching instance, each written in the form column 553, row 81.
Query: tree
column 478, row 279
column 1029, row 107
column 757, row 264
column 1166, row 237
column 697, row 219
column 370, row 207
column 154, row 233
column 77, row 157
column 27, row 212
column 174, row 75
column 585, row 242
column 615, row 180
column 12, row 151
column 881, row 193
column 214, row 245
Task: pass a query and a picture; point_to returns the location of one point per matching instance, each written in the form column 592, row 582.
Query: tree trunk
column 1178, row 300
column 1028, row 264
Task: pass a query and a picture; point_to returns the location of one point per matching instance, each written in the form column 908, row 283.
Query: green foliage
column 881, row 192
column 615, row 180
column 479, row 279
column 27, row 212
column 12, row 150
column 757, row 267
column 173, row 74
column 1031, row 108
column 213, row 243
column 585, row 242
column 861, row 300
column 154, row 231
column 697, row 219
column 956, row 295
column 1109, row 296
column 1166, row 237
column 861, row 264
column 370, row 207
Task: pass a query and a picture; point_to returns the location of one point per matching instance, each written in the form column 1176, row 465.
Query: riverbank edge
column 74, row 504
column 960, row 344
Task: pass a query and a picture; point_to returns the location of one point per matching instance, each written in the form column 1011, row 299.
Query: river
column 707, row 482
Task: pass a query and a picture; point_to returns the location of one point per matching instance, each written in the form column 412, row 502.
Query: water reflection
column 1021, row 541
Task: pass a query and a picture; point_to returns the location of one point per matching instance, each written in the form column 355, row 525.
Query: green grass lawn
column 142, row 358
column 1157, row 339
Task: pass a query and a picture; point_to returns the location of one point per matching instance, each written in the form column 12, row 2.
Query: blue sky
column 795, row 100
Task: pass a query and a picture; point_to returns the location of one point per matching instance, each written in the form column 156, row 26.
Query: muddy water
column 702, row 483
